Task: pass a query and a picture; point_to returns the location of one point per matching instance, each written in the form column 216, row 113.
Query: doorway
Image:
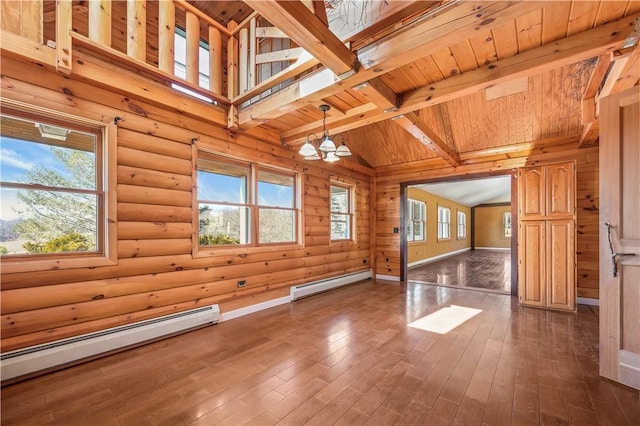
column 461, row 232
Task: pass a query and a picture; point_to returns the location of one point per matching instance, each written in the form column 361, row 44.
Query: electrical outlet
column 242, row 283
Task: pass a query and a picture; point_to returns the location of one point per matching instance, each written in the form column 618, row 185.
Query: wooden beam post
column 252, row 54
column 64, row 19
column 309, row 32
column 100, row 21
column 137, row 29
column 166, row 36
column 193, row 48
column 215, row 61
column 243, row 42
column 232, row 75
column 412, row 124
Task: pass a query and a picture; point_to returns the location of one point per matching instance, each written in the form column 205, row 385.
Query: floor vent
column 304, row 290
column 49, row 355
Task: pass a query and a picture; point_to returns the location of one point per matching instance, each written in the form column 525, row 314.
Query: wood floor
column 347, row 357
column 479, row 269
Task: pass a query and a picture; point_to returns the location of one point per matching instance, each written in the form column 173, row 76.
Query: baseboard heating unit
column 314, row 287
column 49, row 355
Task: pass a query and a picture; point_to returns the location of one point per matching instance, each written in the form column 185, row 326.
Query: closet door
column 561, row 265
column 532, row 193
column 560, row 190
column 532, row 260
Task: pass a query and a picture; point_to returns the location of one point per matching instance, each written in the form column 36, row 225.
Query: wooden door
column 532, row 259
column 560, row 189
column 561, row 282
column 532, row 192
column 620, row 208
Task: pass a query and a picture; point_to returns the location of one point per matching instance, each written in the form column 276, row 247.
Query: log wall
column 156, row 273
column 389, row 180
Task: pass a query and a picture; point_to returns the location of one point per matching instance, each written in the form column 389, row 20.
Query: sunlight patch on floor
column 445, row 319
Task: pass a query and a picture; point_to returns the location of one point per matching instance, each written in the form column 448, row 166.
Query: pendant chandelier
column 325, row 149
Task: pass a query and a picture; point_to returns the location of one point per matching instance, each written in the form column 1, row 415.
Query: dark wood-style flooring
column 347, row 357
column 488, row 270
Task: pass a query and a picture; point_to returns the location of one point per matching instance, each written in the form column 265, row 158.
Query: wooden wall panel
column 156, row 273
column 388, row 204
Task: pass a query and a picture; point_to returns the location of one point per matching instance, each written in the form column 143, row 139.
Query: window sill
column 443, row 240
column 18, row 265
column 215, row 251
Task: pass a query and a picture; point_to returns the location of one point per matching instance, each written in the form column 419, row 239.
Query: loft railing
column 229, row 65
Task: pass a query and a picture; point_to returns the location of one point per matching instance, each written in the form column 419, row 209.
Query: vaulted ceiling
column 447, row 80
column 460, row 77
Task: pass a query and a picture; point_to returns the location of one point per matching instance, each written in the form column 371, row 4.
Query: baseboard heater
column 314, row 287
column 47, row 356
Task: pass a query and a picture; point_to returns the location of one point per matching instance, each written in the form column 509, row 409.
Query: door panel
column 620, row 209
column 560, row 191
column 532, row 192
column 561, row 264
column 532, row 263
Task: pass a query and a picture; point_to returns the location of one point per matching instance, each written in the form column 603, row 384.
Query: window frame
column 105, row 131
column 504, row 225
column 461, row 226
column 410, row 220
column 441, row 224
column 351, row 225
column 252, row 205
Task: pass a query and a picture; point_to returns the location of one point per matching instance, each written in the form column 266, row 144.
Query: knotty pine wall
column 390, row 178
column 156, row 273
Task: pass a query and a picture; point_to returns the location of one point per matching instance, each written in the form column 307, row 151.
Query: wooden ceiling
column 546, row 108
column 441, row 79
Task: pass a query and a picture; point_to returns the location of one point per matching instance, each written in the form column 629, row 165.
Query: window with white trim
column 506, row 224
column 244, row 203
column 415, row 219
column 341, row 212
column 53, row 191
column 444, row 223
column 462, row 225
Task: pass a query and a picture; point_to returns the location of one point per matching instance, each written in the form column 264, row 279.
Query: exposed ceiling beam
column 454, row 22
column 587, row 44
column 412, row 124
column 309, row 32
column 379, row 93
column 590, row 125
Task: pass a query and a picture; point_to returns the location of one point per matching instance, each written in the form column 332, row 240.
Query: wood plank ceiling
column 536, row 59
column 548, row 105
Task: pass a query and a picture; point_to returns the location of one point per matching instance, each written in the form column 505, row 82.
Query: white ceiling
column 473, row 192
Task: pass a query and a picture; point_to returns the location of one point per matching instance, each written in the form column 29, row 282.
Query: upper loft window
column 244, row 203
column 180, row 64
column 54, row 203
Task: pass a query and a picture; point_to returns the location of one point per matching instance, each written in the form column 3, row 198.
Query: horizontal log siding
column 388, row 204
column 156, row 273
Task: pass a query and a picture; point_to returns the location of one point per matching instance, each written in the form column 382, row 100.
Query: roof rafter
column 453, row 22
column 412, row 124
column 307, row 30
column 587, row 44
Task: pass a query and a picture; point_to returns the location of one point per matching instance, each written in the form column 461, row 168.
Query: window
column 341, row 213
column 506, row 224
column 180, row 67
column 462, row 225
column 416, row 217
column 244, row 204
column 54, row 203
column 444, row 220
